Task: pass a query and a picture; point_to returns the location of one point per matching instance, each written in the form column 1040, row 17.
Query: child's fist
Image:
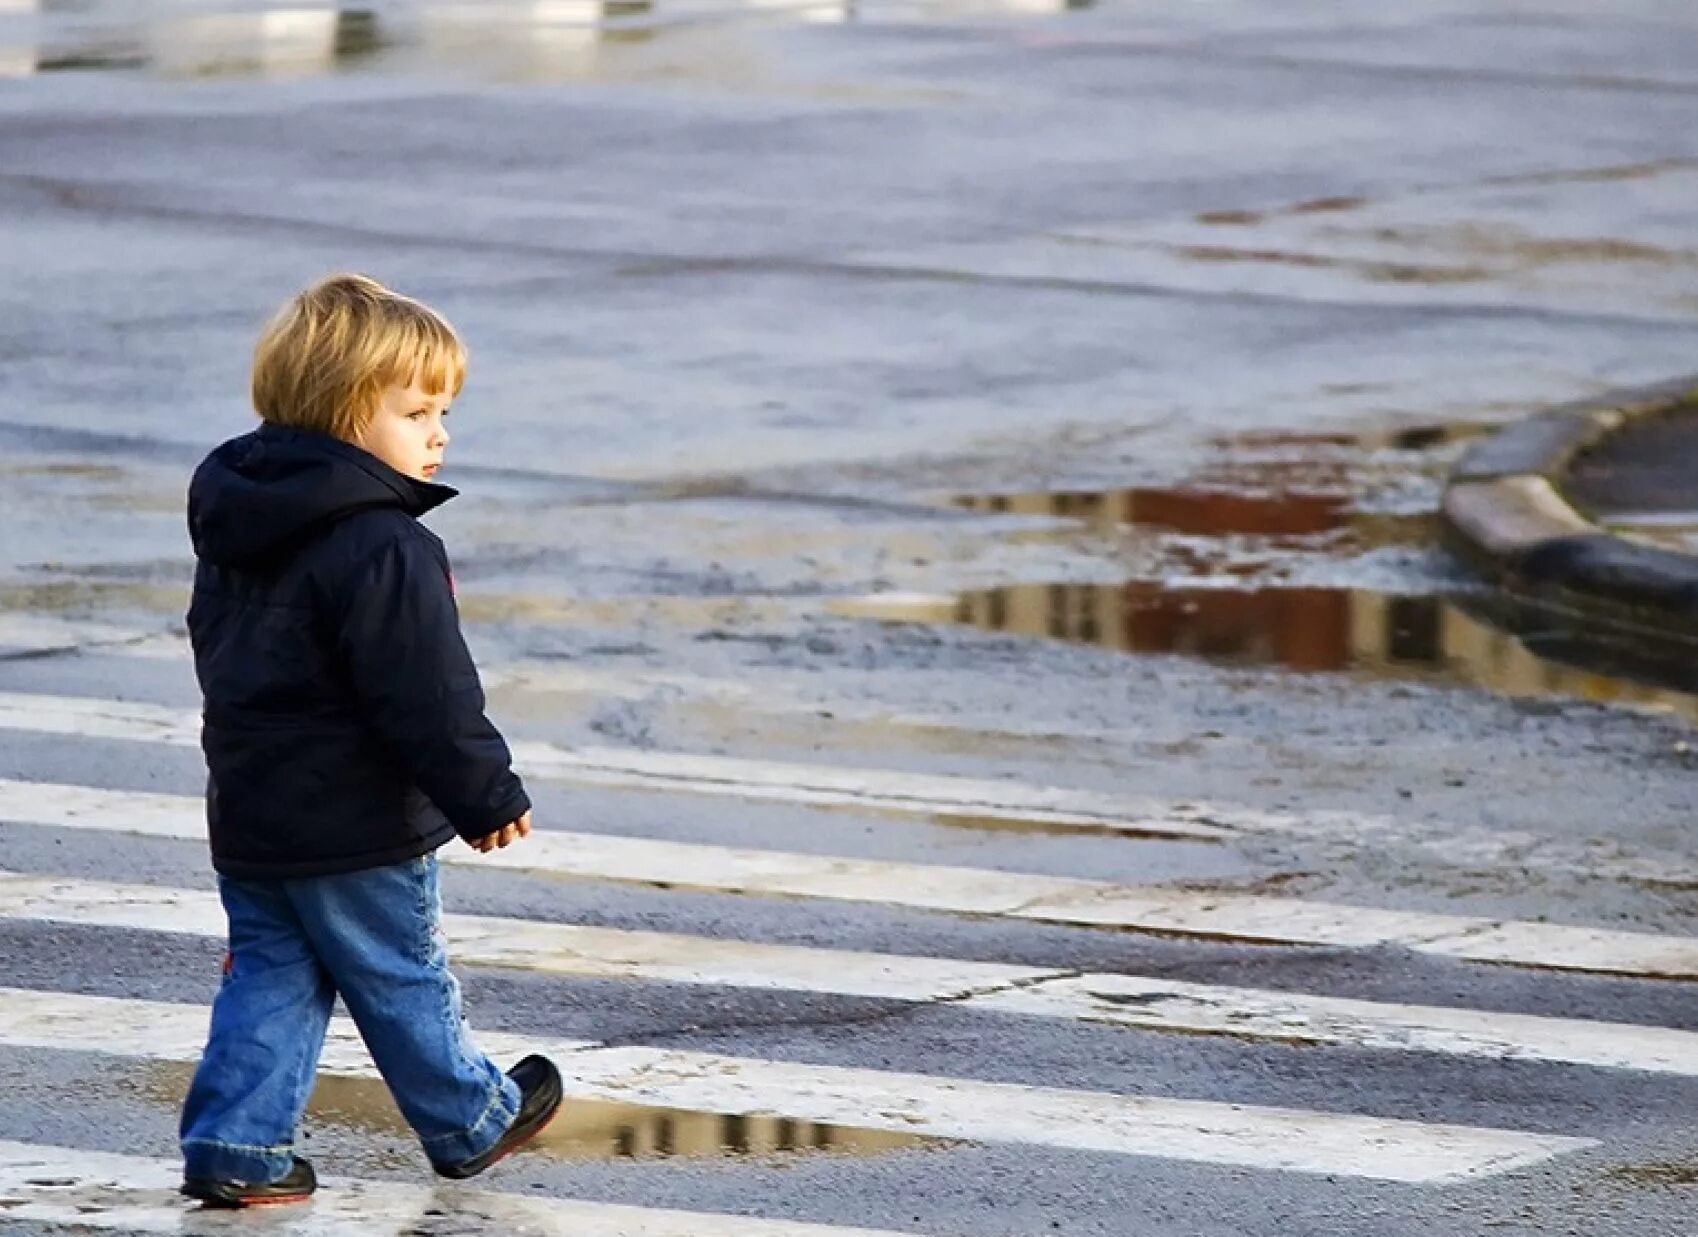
column 503, row 836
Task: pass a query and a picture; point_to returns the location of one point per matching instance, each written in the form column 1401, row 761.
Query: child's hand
column 520, row 828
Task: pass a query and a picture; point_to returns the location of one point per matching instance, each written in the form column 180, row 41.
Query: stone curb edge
column 1503, row 512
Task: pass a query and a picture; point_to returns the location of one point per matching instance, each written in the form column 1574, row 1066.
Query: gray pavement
column 1005, row 324
column 1649, row 468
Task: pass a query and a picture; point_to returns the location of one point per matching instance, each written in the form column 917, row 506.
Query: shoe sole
column 228, row 1202
column 529, row 1137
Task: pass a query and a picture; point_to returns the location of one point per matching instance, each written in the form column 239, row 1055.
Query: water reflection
column 17, row 61
column 596, row 1129
column 547, row 38
column 1281, row 488
column 281, row 42
column 543, row 39
column 1483, row 642
column 1329, row 629
column 1180, row 510
column 276, row 42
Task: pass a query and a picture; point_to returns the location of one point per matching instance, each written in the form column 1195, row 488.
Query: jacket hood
column 270, row 489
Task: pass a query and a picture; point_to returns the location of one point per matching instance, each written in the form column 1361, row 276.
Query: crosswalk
column 941, row 799
column 890, row 1100
column 817, row 786
column 954, row 1108
column 1142, row 1002
column 86, row 1190
column 962, row 891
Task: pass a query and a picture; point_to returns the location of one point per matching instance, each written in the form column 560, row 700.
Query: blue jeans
column 375, row 937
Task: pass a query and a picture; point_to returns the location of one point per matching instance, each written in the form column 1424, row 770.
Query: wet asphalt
column 767, row 310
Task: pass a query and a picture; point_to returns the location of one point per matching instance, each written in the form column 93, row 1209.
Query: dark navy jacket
column 344, row 722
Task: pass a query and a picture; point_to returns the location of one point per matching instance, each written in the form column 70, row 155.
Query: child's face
column 407, row 432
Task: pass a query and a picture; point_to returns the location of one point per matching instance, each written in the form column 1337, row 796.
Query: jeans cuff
column 216, row 1161
column 462, row 1145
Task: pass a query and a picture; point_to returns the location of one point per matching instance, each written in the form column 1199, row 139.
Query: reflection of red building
column 1220, row 513
column 1310, row 629
column 1195, row 511
column 1303, row 628
column 1299, row 628
column 1306, row 629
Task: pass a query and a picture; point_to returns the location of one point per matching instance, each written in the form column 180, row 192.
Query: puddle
column 1237, row 540
column 1373, row 489
column 595, row 1129
column 517, row 41
column 1266, row 511
column 1284, row 519
column 1418, row 637
column 533, row 40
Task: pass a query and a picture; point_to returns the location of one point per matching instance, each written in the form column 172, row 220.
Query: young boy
column 346, row 741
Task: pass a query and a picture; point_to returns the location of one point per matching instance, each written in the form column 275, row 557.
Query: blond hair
column 326, row 358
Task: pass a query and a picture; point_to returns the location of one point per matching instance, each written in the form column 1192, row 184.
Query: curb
column 1504, row 512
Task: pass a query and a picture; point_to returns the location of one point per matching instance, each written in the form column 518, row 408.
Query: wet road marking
column 132, row 1194
column 813, row 785
column 38, row 634
column 555, row 948
column 1281, row 1139
column 1132, row 1001
column 1448, row 845
column 1073, row 901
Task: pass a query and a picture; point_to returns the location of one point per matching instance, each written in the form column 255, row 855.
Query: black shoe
column 539, row 1099
column 296, row 1187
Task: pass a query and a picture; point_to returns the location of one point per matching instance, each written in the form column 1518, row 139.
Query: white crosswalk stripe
column 1124, row 1000
column 560, row 949
column 1288, row 1140
column 1472, row 847
column 967, row 891
column 955, row 800
column 98, row 1191
column 814, row 785
column 36, row 634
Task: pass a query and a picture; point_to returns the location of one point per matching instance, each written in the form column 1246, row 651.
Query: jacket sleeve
column 399, row 638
